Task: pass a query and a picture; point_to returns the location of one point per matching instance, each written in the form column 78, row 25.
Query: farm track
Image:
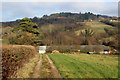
column 45, row 68
column 53, row 68
column 36, row 73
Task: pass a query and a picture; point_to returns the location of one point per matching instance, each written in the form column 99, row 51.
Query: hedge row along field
column 14, row 57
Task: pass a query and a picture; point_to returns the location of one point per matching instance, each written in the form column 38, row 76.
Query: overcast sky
column 17, row 10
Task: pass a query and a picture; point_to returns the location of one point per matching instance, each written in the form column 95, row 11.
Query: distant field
column 99, row 27
column 86, row 66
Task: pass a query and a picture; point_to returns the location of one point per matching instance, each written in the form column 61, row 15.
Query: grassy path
column 41, row 66
column 54, row 70
column 27, row 70
column 45, row 68
column 37, row 68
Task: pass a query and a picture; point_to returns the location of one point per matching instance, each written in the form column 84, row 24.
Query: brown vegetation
column 14, row 57
column 55, row 51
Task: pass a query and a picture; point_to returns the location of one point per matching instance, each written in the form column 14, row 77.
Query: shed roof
column 103, row 47
column 42, row 47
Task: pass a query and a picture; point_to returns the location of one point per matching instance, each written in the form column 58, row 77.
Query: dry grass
column 14, row 57
column 28, row 68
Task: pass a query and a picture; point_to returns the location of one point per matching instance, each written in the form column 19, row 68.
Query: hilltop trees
column 63, row 17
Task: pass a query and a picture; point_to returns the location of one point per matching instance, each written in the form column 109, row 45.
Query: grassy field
column 99, row 27
column 86, row 66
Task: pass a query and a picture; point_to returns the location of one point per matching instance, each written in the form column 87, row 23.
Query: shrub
column 84, row 51
column 23, row 38
column 65, row 51
column 14, row 57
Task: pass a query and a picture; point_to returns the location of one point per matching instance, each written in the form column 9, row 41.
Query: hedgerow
column 14, row 57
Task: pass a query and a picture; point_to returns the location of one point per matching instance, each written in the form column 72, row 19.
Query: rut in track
column 54, row 70
column 45, row 68
column 36, row 73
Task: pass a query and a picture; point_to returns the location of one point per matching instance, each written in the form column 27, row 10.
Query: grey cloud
column 15, row 10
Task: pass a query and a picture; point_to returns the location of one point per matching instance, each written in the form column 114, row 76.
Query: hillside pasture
column 99, row 27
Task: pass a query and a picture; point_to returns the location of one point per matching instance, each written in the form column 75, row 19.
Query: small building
column 111, row 20
column 42, row 49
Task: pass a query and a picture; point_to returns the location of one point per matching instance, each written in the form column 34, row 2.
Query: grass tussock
column 14, row 57
column 28, row 68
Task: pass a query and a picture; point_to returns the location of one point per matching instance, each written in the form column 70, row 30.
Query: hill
column 63, row 17
column 65, row 29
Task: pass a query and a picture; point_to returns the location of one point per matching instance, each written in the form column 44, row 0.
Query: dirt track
column 45, row 68
column 36, row 73
column 53, row 69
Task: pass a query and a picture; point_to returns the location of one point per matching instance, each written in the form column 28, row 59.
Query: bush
column 14, row 56
column 23, row 38
column 84, row 51
column 65, row 51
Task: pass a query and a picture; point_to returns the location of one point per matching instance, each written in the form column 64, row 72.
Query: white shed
column 42, row 49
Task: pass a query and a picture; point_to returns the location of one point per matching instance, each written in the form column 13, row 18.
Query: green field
column 99, row 27
column 86, row 66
